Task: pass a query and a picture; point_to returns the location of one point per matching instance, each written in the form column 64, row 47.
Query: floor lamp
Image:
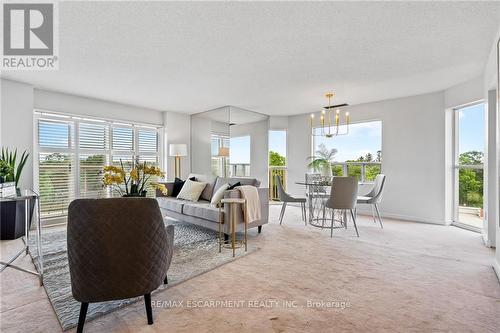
column 177, row 150
column 224, row 154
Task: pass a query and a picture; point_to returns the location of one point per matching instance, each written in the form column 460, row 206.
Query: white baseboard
column 364, row 211
column 406, row 217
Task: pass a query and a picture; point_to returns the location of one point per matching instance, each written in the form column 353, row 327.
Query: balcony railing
column 364, row 171
column 273, row 188
column 239, row 170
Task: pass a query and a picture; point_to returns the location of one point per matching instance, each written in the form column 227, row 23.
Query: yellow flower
column 134, row 174
column 163, row 189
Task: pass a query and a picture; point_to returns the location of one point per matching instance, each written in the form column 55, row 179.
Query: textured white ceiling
column 275, row 58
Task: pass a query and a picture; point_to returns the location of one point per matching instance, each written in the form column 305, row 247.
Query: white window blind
column 73, row 151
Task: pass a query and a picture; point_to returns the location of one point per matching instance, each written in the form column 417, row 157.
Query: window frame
column 344, row 164
column 74, row 144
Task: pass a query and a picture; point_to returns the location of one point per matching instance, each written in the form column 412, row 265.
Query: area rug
column 195, row 252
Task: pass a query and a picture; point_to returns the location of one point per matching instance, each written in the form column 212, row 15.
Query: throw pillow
column 218, row 195
column 191, row 190
column 178, row 183
column 233, row 186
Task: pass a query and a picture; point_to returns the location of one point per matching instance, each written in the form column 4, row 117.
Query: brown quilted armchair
column 117, row 248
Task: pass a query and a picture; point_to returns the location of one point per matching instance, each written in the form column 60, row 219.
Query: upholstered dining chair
column 286, row 198
column 343, row 195
column 374, row 197
column 117, row 248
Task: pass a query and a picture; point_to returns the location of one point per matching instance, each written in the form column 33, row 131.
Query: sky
column 277, row 142
column 471, row 128
column 239, row 153
column 363, row 138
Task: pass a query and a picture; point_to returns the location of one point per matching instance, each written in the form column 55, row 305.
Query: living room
column 253, row 166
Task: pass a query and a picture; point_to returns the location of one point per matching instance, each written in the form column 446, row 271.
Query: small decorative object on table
column 233, row 204
column 13, row 211
column 135, row 182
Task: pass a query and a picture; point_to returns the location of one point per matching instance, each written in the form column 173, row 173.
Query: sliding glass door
column 469, row 168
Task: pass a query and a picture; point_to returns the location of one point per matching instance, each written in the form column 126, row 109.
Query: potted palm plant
column 13, row 212
column 322, row 160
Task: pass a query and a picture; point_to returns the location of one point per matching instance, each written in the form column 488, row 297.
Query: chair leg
column 354, row 222
column 379, row 218
column 166, row 280
column 301, row 212
column 282, row 214
column 373, row 214
column 83, row 313
column 331, row 229
column 304, row 212
column 149, row 310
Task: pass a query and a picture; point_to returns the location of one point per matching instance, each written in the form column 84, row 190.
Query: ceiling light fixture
column 332, row 129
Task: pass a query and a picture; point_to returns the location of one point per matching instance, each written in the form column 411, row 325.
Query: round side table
column 233, row 205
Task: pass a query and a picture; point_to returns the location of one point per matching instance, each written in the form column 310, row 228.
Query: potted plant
column 13, row 211
column 10, row 170
column 322, row 160
column 134, row 183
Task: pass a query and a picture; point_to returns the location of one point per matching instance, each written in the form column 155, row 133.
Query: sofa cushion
column 191, row 190
column 219, row 182
column 244, row 181
column 171, row 203
column 209, row 189
column 202, row 210
column 178, row 184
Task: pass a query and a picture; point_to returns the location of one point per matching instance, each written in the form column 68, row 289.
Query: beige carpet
column 408, row 277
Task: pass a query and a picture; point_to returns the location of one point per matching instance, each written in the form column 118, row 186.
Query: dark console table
column 30, row 199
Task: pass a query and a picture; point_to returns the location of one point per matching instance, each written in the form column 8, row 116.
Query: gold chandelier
column 332, row 129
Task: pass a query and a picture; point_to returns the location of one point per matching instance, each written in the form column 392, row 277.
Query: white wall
column 464, row 93
column 177, row 130
column 18, row 101
column 201, row 153
column 66, row 103
column 413, row 150
column 17, row 123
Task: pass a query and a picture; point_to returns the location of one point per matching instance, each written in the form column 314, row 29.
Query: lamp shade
column 177, row 149
column 223, row 152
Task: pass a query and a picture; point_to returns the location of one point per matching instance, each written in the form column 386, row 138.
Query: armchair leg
column 83, row 313
column 166, row 280
column 149, row 310
column 259, row 229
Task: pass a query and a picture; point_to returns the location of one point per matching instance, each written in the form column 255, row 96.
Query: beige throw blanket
column 251, row 195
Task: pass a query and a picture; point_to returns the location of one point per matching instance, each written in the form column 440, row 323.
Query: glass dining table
column 318, row 192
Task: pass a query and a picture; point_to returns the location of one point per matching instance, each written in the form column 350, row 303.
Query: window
column 73, row 151
column 239, row 156
column 277, row 161
column 277, row 148
column 357, row 154
column 469, row 168
column 219, row 162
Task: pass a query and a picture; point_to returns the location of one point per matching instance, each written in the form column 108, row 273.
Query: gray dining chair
column 286, row 198
column 343, row 195
column 374, row 197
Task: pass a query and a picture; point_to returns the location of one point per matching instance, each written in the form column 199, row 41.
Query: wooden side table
column 233, row 205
